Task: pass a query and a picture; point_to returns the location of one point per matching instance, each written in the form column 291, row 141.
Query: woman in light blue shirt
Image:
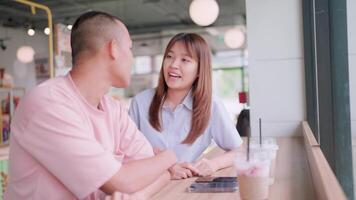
column 182, row 114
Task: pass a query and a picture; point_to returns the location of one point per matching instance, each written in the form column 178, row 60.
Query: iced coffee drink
column 269, row 145
column 253, row 175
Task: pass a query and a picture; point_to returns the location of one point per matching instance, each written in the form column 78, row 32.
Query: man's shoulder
column 41, row 99
column 47, row 93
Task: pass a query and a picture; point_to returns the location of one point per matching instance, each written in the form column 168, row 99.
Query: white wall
column 18, row 37
column 276, row 66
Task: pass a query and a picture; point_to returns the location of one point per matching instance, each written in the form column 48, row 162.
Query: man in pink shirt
column 70, row 140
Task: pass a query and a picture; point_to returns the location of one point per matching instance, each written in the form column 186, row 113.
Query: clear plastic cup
column 269, row 145
column 253, row 175
column 265, row 140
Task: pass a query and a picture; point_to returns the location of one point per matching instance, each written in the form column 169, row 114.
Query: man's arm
column 138, row 174
column 145, row 193
column 152, row 189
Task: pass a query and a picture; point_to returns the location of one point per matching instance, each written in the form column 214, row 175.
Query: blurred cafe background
column 287, row 61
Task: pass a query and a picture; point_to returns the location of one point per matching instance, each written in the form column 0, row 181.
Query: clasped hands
column 203, row 167
column 183, row 170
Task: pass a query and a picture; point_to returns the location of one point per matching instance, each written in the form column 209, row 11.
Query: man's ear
column 113, row 49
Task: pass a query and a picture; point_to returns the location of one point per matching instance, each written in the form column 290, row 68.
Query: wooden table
column 292, row 178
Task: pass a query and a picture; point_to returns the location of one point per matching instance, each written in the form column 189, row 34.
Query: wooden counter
column 292, row 178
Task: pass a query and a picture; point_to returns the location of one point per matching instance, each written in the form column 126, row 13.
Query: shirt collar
column 187, row 101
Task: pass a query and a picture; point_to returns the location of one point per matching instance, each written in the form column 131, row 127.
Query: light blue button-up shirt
column 176, row 126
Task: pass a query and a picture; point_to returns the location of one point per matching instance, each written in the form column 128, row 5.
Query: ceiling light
column 69, row 27
column 25, row 54
column 47, row 31
column 204, row 12
column 31, row 32
column 234, row 38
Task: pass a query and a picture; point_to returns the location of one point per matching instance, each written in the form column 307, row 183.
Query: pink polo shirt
column 63, row 148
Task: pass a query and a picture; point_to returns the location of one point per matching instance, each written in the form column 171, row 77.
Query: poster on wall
column 41, row 69
column 63, row 56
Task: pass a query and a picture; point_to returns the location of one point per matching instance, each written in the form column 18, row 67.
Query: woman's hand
column 182, row 171
column 157, row 150
column 206, row 167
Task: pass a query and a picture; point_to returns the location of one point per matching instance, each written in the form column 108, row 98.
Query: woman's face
column 179, row 68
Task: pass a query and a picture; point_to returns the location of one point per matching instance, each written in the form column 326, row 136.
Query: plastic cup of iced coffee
column 269, row 145
column 253, row 175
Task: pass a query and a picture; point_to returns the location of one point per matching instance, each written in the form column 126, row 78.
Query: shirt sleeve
column 222, row 128
column 132, row 142
column 59, row 140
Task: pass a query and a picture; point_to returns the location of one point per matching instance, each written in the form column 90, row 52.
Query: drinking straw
column 248, row 143
column 260, row 132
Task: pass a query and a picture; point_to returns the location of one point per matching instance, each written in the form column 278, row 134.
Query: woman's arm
column 225, row 160
column 207, row 167
column 225, row 135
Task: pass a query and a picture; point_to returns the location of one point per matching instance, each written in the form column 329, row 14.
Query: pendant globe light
column 25, row 54
column 234, row 38
column 204, row 12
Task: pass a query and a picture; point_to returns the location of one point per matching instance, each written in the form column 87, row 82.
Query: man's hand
column 157, row 150
column 121, row 196
column 182, row 171
column 206, row 167
column 115, row 196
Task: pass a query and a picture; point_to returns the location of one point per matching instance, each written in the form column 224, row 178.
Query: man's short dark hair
column 89, row 31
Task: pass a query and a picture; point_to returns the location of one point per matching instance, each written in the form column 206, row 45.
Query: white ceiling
column 140, row 16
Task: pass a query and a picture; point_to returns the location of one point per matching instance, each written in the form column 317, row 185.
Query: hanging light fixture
column 204, row 12
column 234, row 38
column 25, row 54
column 47, row 31
column 31, row 32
